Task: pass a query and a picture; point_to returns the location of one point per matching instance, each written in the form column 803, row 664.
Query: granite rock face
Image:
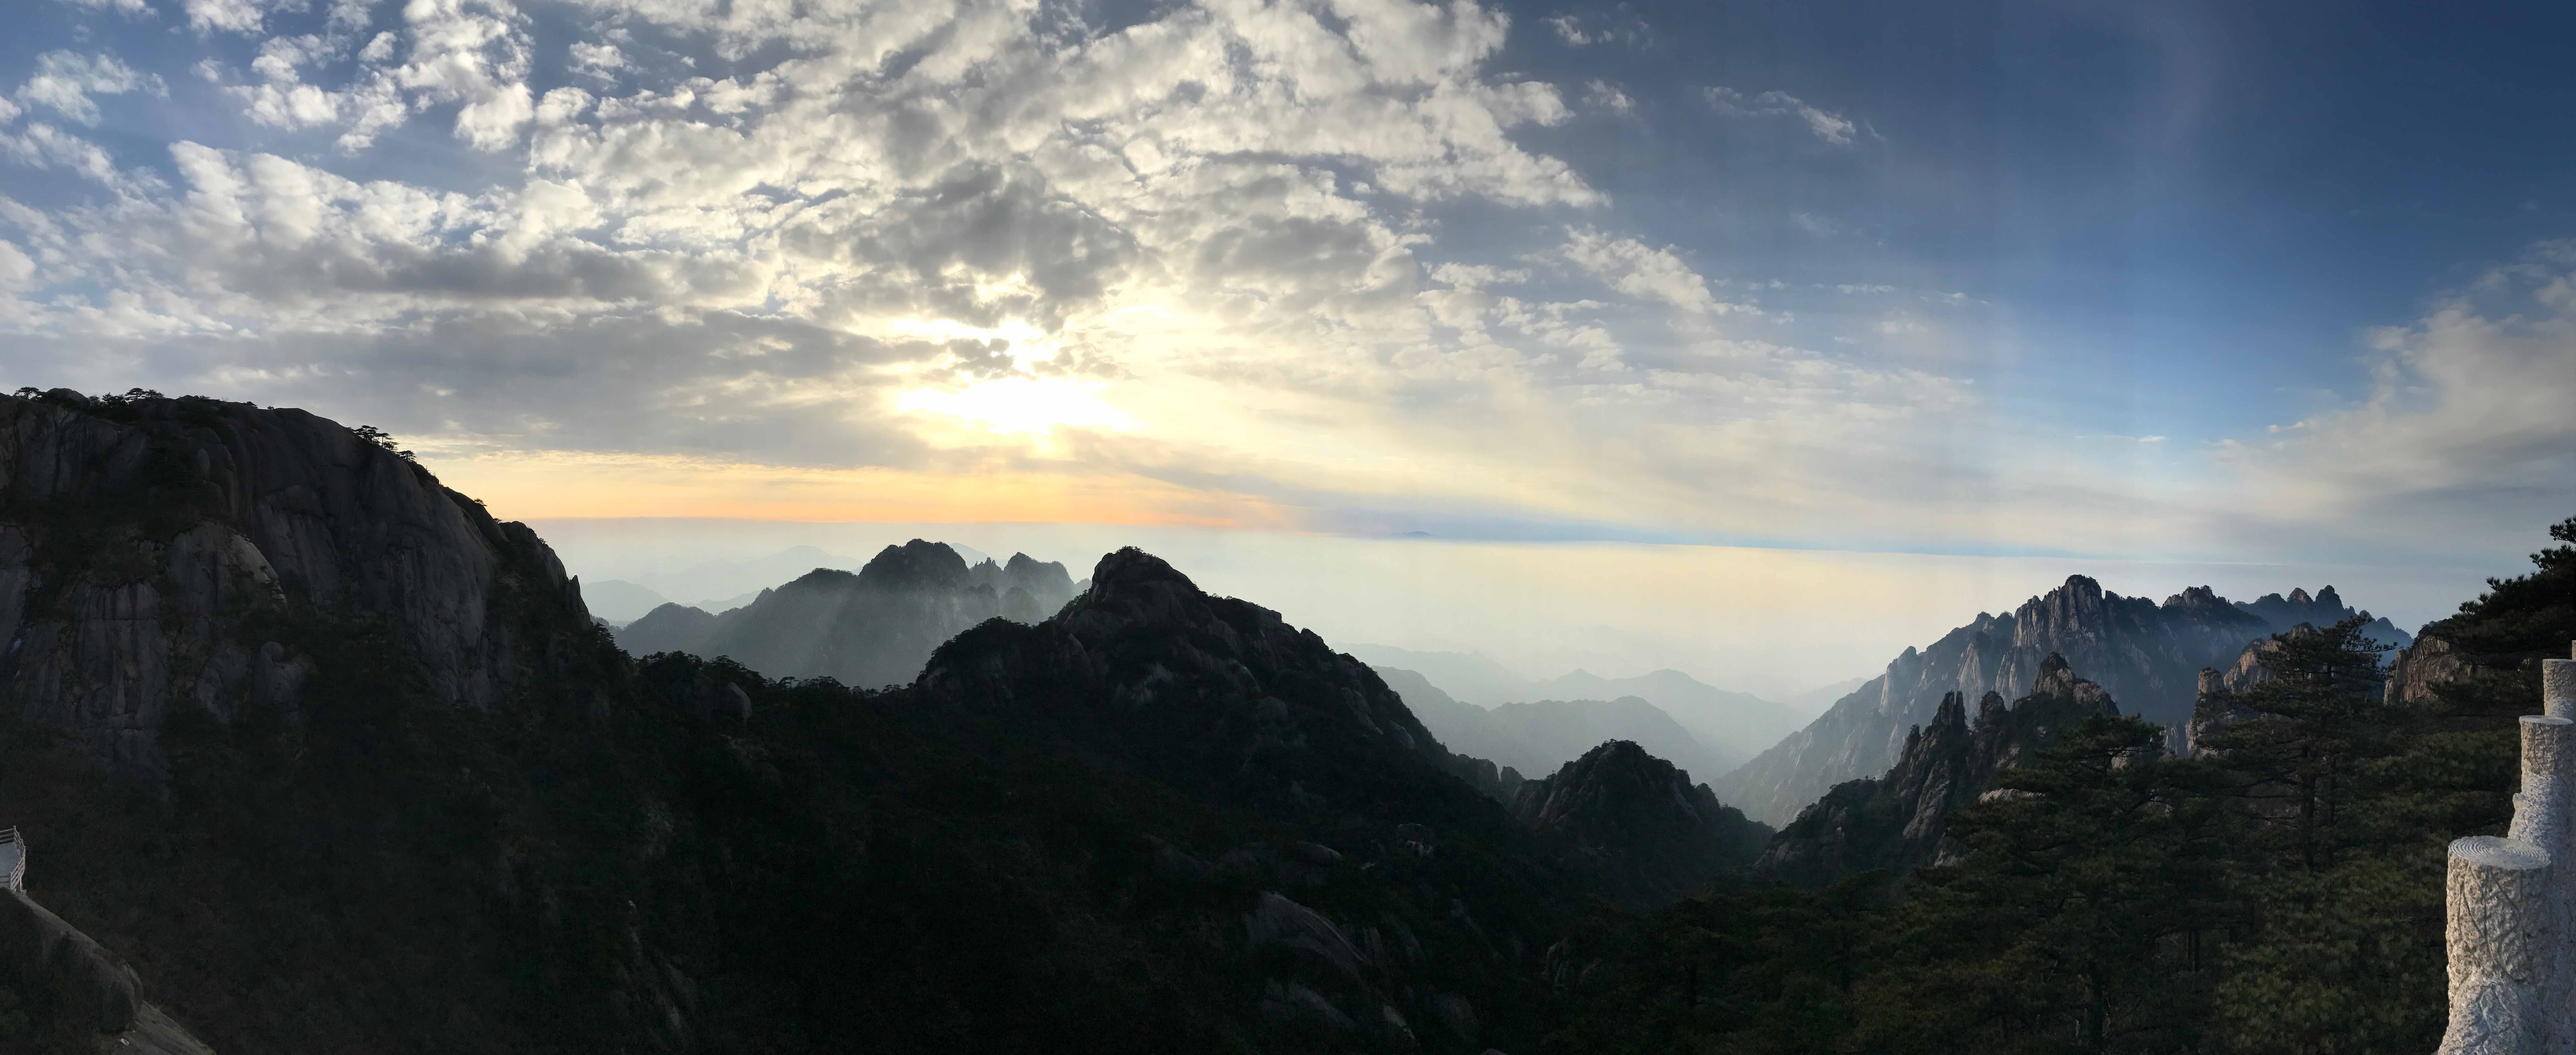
column 871, row 628
column 2144, row 654
column 1897, row 822
column 149, row 546
column 1655, row 836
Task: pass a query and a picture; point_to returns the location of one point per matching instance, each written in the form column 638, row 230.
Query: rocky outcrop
column 88, row 990
column 1655, row 836
column 2430, row 661
column 1898, row 822
column 149, row 548
column 2146, row 655
column 870, row 628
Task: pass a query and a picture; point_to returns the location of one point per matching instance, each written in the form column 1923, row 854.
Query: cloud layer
column 1315, row 260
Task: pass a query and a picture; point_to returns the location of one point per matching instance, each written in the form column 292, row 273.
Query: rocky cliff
column 874, row 627
column 1654, row 836
column 1896, row 822
column 154, row 554
column 2146, row 655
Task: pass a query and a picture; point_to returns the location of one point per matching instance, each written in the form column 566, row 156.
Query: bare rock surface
column 150, row 548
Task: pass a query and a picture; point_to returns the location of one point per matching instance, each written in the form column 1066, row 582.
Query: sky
column 1795, row 305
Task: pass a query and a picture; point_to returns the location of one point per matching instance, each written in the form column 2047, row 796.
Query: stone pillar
column 2541, row 817
column 2558, row 687
column 2500, row 940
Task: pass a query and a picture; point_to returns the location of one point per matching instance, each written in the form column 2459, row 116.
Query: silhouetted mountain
column 1731, row 726
column 1655, row 836
column 669, row 628
column 441, row 812
column 1895, row 822
column 1540, row 736
column 1727, row 727
column 2146, row 655
column 1469, row 677
column 873, row 627
column 619, row 601
column 2324, row 609
column 1464, row 727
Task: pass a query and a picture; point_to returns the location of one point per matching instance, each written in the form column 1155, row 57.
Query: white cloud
column 129, row 8
column 65, row 81
column 2464, row 434
column 1831, row 127
column 1606, row 96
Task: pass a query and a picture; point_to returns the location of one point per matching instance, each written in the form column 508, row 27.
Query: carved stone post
column 2541, row 817
column 2500, row 938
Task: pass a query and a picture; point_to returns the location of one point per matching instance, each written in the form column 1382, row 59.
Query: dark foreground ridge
column 335, row 761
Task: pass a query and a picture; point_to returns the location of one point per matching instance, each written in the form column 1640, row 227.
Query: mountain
column 873, row 627
column 1654, row 835
column 1896, row 822
column 1728, row 727
column 703, row 585
column 150, row 548
column 1470, row 677
column 2324, row 609
column 1539, row 736
column 619, row 601
column 1464, row 727
column 2146, row 655
column 669, row 628
column 335, row 762
column 1734, row 726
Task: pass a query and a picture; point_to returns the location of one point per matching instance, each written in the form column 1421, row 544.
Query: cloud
column 1831, row 127
column 65, row 81
column 2464, row 434
column 128, row 8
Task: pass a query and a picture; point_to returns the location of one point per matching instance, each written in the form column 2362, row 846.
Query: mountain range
column 2146, row 655
column 333, row 760
column 1539, row 736
column 876, row 626
column 1730, row 727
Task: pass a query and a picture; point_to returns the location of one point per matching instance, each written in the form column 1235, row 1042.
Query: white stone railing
column 2512, row 900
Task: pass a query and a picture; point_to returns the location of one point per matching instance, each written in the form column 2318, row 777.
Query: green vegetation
column 2280, row 894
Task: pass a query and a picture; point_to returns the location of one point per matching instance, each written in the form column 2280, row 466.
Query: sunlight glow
column 1021, row 404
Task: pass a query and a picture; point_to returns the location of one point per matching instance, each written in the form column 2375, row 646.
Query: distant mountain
column 1655, row 836
column 2324, row 609
column 1814, row 701
column 1466, row 728
column 700, row 584
column 1896, row 822
column 1730, row 727
column 870, row 628
column 1470, row 677
column 1541, row 735
column 2146, row 655
column 619, row 601
column 1735, row 726
column 669, row 628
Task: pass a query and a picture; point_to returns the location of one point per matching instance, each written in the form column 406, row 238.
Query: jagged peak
column 2299, row 595
column 2328, row 598
column 2054, row 664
